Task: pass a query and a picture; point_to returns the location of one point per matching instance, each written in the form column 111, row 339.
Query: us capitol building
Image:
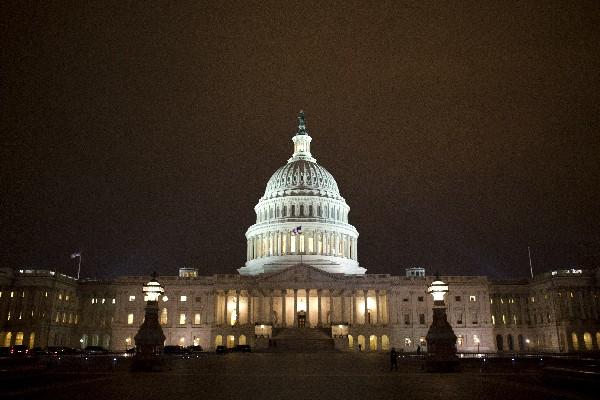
column 302, row 288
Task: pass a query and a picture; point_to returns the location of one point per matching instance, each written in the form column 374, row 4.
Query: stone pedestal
column 441, row 343
column 149, row 342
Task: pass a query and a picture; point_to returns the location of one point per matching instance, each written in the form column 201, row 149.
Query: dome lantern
column 301, row 142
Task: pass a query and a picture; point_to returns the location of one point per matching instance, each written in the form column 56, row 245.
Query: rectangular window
column 182, row 319
column 472, row 298
column 129, row 319
column 459, row 318
column 405, row 299
column 422, row 319
column 198, row 299
column 474, row 318
column 183, row 298
column 92, row 301
column 60, row 296
column 113, row 301
column 131, row 298
column 310, row 245
column 420, row 298
column 12, row 294
column 197, row 319
column 103, row 301
column 456, row 298
column 406, row 319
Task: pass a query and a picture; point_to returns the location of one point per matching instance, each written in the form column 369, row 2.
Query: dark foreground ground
column 283, row 376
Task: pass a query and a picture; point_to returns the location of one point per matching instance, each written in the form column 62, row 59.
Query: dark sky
column 144, row 133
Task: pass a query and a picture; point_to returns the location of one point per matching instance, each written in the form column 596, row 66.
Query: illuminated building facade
column 302, row 283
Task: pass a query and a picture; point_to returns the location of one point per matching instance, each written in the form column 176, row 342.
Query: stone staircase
column 302, row 340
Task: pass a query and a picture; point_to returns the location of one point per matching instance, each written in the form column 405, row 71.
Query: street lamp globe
column 438, row 289
column 152, row 290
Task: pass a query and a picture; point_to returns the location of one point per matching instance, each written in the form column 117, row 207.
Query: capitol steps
column 301, row 340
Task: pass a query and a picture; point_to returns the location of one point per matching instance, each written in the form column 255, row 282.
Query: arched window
column 521, row 343
column 361, row 343
column 163, row 316
column 285, row 211
column 230, row 341
column 218, row 340
column 293, row 213
column 310, row 210
column 31, row 340
column 106, row 341
column 597, row 340
column 587, row 341
column 242, row 339
column 302, row 210
column 19, row 339
column 277, row 212
column 319, row 210
column 6, row 338
column 385, row 343
column 511, row 345
column 373, row 343
column 499, row 343
column 575, row 341
column 270, row 213
column 350, row 342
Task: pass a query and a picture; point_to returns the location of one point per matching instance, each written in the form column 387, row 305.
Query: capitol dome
column 302, row 218
column 302, row 177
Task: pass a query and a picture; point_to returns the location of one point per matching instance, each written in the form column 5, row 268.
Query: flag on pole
column 75, row 255
column 297, row 230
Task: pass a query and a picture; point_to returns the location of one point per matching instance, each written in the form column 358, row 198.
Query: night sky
column 144, row 133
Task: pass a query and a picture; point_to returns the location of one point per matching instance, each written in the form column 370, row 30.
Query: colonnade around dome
column 285, row 243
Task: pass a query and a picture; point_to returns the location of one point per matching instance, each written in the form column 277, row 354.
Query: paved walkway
column 282, row 376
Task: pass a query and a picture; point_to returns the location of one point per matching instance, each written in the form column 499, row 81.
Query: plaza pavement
column 281, row 376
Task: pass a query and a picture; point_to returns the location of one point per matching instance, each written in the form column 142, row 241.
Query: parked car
column 91, row 350
column 194, row 349
column 221, row 350
column 19, row 350
column 61, row 350
column 38, row 351
column 242, row 348
column 174, row 350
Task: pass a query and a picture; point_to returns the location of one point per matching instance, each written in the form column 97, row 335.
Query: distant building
column 302, row 283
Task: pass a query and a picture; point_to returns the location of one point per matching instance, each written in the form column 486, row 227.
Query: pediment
column 301, row 273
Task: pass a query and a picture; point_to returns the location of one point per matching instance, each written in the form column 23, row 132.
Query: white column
column 331, row 313
column 319, row 322
column 295, row 307
column 308, row 307
column 343, row 318
column 237, row 307
column 365, row 293
column 283, row 310
column 377, row 306
column 225, row 322
column 249, row 308
column 271, row 306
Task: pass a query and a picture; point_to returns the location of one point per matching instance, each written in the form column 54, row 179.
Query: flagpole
column 530, row 264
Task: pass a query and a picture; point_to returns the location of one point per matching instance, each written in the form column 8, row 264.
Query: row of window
column 62, row 317
column 182, row 298
column 12, row 294
column 6, row 339
column 164, row 318
column 456, row 298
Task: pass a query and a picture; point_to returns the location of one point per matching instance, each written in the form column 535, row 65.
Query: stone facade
column 302, row 272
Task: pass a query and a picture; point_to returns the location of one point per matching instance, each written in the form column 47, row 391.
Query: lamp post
column 441, row 340
column 150, row 339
